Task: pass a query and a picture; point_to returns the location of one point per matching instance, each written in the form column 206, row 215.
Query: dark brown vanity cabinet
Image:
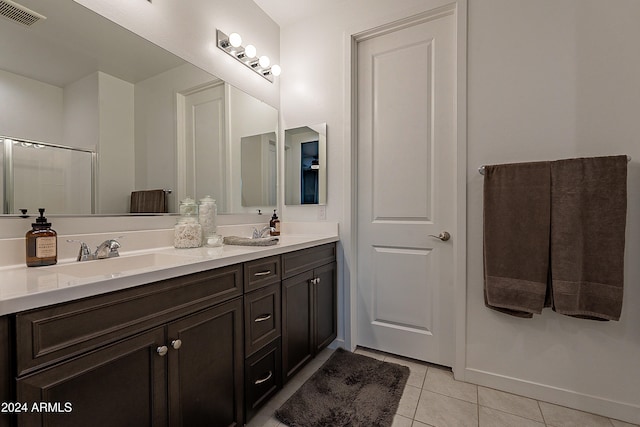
column 205, row 349
column 309, row 305
column 262, row 329
column 167, row 353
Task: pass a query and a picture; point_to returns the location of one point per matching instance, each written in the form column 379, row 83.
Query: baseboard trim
column 571, row 399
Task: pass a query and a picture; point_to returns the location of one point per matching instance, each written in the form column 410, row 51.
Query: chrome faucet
column 258, row 234
column 107, row 249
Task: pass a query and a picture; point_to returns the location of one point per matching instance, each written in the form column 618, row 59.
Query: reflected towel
column 588, row 220
column 516, row 237
column 148, row 201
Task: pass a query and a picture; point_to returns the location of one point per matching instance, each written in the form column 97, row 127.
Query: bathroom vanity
column 207, row 343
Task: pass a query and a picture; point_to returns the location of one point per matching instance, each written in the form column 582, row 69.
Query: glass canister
column 188, row 207
column 187, row 233
column 207, row 212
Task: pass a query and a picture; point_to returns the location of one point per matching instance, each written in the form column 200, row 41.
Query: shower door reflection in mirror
column 41, row 175
column 306, row 165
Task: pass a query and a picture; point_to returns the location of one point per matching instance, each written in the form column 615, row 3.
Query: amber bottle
column 275, row 224
column 42, row 243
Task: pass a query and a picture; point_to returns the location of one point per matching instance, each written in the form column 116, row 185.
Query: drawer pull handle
column 262, row 318
column 176, row 344
column 162, row 350
column 262, row 273
column 265, row 379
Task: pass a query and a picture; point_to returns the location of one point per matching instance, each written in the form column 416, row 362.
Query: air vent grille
column 18, row 13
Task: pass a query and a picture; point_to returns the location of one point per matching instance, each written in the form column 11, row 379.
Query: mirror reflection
column 76, row 79
column 306, row 165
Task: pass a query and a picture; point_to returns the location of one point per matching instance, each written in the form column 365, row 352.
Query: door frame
column 349, row 235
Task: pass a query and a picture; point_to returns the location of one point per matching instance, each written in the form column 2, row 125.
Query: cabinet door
column 123, row 384
column 206, row 368
column 325, row 306
column 6, row 378
column 297, row 323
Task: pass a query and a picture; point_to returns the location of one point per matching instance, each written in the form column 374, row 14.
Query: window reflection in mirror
column 306, row 165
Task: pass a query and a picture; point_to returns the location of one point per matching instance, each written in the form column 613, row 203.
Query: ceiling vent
column 18, row 13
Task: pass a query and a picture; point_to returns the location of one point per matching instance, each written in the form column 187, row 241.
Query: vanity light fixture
column 232, row 45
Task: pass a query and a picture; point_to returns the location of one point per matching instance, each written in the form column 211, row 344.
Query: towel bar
column 481, row 168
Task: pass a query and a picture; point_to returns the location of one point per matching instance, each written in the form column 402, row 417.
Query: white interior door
column 202, row 142
column 406, row 189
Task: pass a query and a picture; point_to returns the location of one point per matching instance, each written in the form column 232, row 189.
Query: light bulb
column 264, row 61
column 250, row 51
column 235, row 39
column 276, row 70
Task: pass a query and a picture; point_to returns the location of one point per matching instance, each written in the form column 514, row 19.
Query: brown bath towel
column 588, row 219
column 148, row 201
column 516, row 237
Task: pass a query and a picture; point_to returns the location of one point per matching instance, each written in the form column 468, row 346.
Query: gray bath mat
column 348, row 390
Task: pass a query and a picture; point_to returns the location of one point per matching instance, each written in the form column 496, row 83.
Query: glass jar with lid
column 188, row 207
column 187, row 233
column 207, row 212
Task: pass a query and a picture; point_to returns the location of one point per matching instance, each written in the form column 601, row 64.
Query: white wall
column 30, row 109
column 546, row 80
column 188, row 29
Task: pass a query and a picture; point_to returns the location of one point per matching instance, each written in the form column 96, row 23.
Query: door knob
column 162, row 350
column 176, row 344
column 444, row 236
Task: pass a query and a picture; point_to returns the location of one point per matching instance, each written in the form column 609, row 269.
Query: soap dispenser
column 274, row 224
column 41, row 243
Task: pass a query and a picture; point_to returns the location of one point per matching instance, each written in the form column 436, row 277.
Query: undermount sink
column 119, row 265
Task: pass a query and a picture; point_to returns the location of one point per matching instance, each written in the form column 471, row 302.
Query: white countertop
column 25, row 288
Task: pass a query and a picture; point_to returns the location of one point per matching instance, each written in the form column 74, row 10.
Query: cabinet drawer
column 263, row 377
column 296, row 262
column 261, row 317
column 261, row 272
column 44, row 336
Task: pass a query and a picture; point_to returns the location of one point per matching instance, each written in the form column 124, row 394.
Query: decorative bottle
column 41, row 243
column 274, row 224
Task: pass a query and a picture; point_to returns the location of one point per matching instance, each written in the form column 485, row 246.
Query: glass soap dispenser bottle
column 41, row 243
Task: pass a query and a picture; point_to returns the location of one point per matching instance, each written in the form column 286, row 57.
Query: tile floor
column 432, row 398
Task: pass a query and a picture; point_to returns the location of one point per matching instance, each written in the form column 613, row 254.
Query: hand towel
column 588, row 220
column 516, row 237
column 148, row 201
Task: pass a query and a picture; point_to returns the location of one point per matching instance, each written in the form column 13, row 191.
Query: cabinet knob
column 162, row 350
column 176, row 344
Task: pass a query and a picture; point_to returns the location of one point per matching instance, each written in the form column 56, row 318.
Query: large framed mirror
column 306, row 165
column 78, row 82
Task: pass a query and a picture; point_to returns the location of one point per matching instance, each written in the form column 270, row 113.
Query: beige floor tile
column 409, row 401
column 618, row 423
column 400, row 421
column 370, row 353
column 559, row 416
column 442, row 381
column 419, row 424
column 510, row 403
column 417, row 371
column 444, row 411
column 494, row 418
